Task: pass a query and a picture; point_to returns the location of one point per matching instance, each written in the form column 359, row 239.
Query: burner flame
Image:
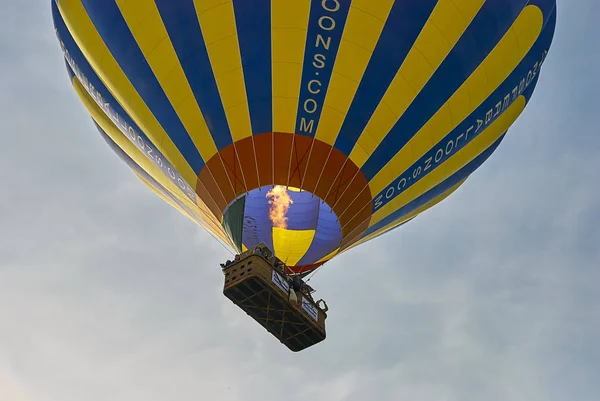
column 280, row 202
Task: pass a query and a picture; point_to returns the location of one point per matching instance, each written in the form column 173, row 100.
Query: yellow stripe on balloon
column 217, row 22
column 473, row 149
column 145, row 23
column 291, row 245
column 205, row 218
column 496, row 67
column 440, row 34
column 289, row 26
column 364, row 25
column 104, row 64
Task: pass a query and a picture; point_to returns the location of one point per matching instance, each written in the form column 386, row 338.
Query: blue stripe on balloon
column 321, row 50
column 181, row 21
column 253, row 21
column 404, row 23
column 115, row 33
column 327, row 239
column 548, row 8
column 483, row 34
column 303, row 213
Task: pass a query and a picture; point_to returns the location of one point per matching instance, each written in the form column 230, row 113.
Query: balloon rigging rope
column 313, row 274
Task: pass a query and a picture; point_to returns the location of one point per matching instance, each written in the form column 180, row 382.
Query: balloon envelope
column 309, row 125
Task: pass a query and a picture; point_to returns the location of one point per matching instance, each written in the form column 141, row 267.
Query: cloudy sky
column 108, row 294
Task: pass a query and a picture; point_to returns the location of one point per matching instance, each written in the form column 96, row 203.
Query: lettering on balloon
column 125, row 125
column 325, row 33
column 456, row 140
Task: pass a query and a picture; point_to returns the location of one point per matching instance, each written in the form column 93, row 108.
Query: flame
column 280, row 202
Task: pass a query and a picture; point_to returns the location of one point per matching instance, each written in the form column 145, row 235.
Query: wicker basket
column 253, row 284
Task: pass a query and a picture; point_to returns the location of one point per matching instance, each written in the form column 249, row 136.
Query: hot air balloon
column 303, row 127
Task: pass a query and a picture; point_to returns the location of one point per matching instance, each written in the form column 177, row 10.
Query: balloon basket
column 264, row 293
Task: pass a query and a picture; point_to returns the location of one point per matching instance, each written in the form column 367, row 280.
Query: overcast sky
column 106, row 293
